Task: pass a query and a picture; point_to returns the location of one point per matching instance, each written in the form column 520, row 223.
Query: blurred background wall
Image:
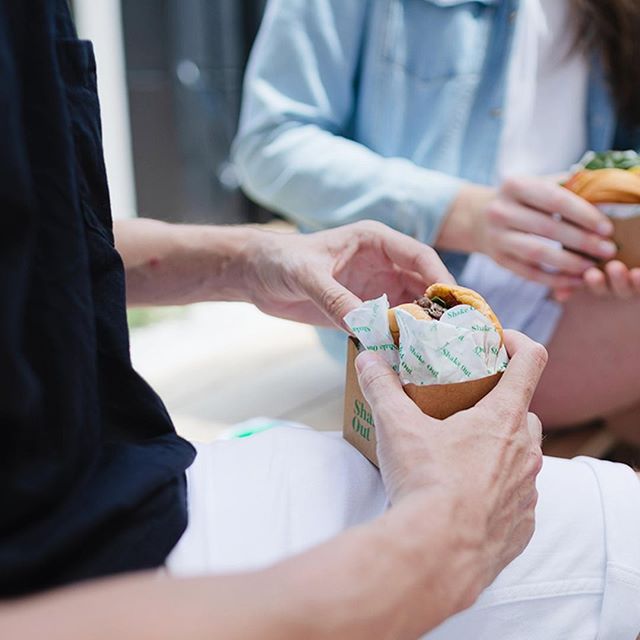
column 170, row 75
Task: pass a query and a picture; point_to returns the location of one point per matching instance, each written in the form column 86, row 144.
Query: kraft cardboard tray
column 439, row 401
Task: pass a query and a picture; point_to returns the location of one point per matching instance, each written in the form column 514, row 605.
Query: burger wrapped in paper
column 611, row 181
column 446, row 346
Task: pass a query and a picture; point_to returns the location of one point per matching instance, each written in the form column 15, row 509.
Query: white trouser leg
column 257, row 500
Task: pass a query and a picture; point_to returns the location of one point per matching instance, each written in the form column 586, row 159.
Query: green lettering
column 358, row 427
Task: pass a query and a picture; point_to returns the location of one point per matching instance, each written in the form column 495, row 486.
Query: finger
column 619, row 279
column 596, row 282
column 334, row 300
column 407, row 252
column 535, row 274
column 563, row 295
column 557, row 178
column 534, row 250
column 535, row 429
column 408, row 286
column 518, row 383
column 522, row 218
column 306, row 312
column 382, row 389
column 635, row 280
column 553, row 198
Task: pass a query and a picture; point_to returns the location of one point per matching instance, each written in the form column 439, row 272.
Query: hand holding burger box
column 447, row 348
column 611, row 181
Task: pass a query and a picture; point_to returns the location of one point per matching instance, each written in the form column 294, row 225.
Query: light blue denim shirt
column 382, row 109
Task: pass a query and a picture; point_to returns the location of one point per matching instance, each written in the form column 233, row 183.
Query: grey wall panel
column 185, row 61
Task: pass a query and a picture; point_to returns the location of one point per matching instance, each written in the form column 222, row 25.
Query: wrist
column 229, row 253
column 462, row 228
column 442, row 516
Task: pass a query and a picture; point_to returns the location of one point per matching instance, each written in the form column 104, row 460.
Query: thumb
column 381, row 386
column 334, row 300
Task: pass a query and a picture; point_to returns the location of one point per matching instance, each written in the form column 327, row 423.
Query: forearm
column 143, row 607
column 394, row 579
column 319, row 180
column 373, row 581
column 180, row 264
column 293, row 150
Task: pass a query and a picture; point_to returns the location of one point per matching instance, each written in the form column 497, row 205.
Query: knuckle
column 557, row 202
column 428, row 253
column 539, row 355
column 529, row 272
column 535, row 428
column 371, row 227
column 530, row 523
column 497, row 212
column 534, row 501
column 374, row 377
column 588, row 244
column 550, row 228
column 510, row 417
column 333, row 301
column 538, row 460
column 512, row 185
column 534, row 463
column 425, row 259
column 558, row 199
column 536, row 253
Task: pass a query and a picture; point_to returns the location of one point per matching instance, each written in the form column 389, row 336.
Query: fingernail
column 607, row 248
column 365, row 360
column 605, row 228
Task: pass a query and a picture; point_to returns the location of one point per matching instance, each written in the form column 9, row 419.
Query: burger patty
column 434, row 309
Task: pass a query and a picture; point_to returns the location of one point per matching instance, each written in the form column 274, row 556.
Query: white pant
column 257, row 500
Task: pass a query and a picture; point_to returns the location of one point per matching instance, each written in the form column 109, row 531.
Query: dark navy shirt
column 91, row 469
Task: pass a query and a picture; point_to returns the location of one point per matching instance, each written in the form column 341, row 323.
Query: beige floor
column 218, row 364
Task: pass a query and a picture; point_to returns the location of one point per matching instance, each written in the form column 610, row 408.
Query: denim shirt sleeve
column 292, row 151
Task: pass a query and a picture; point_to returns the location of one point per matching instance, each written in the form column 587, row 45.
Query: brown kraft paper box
column 439, row 401
column 627, row 236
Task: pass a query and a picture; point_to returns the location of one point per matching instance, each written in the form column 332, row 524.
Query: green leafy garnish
column 439, row 301
column 610, row 160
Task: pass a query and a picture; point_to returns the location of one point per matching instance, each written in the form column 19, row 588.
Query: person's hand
column 318, row 278
column 614, row 280
column 533, row 227
column 486, row 458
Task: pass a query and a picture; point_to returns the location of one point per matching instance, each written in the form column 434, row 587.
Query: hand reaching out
column 318, row 278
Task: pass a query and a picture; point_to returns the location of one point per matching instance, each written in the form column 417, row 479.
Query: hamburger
column 611, row 181
column 437, row 398
column 437, row 299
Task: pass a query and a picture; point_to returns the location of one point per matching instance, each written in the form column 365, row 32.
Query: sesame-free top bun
column 454, row 295
column 415, row 310
column 606, row 186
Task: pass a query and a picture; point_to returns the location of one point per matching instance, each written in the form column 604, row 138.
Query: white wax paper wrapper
column 463, row 345
column 370, row 324
column 620, row 211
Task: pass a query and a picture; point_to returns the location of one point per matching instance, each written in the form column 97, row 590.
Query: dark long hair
column 612, row 28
